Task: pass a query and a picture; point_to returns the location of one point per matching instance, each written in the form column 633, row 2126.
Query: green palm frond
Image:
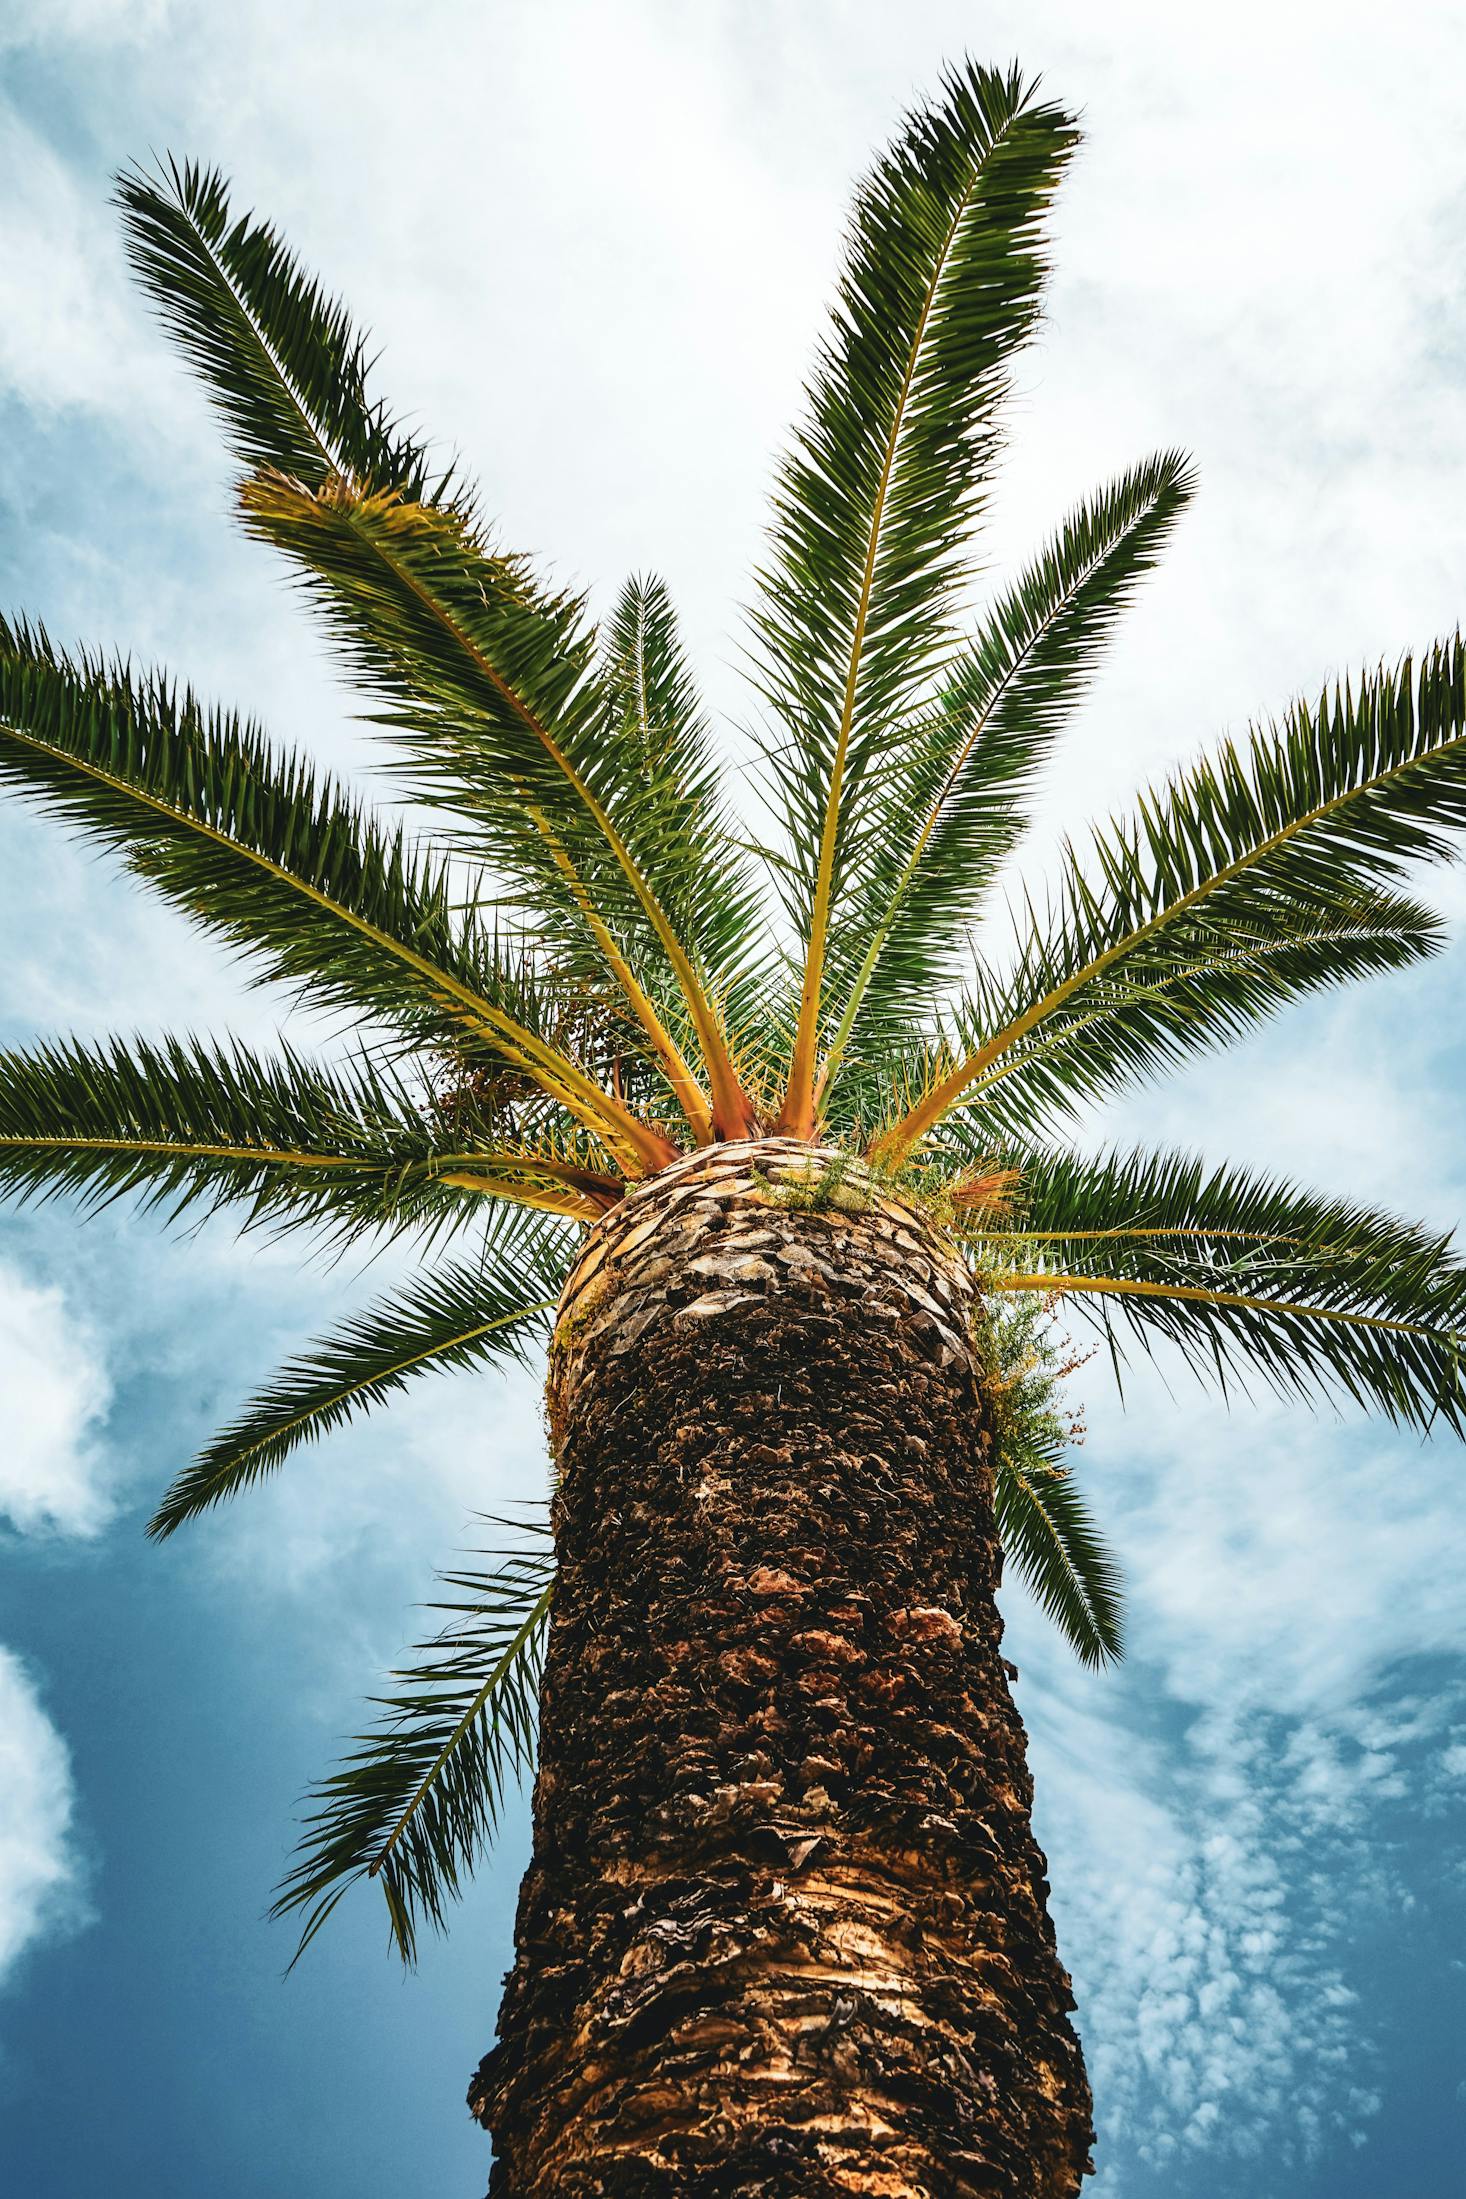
column 1319, row 1297
column 492, row 683
column 1184, row 993
column 280, row 358
column 1048, row 1531
column 1043, row 1523
column 1214, row 873
column 959, row 789
column 873, row 506
column 474, row 1313
column 191, row 1125
column 249, row 844
column 701, row 871
column 417, row 1800
column 488, row 676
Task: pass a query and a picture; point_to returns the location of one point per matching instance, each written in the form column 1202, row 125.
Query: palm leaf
column 469, row 633
column 1047, row 1529
column 1320, row 1297
column 874, row 504
column 1242, row 851
column 492, row 682
column 280, row 358
column 249, row 845
column 468, row 1315
column 700, row 871
column 960, row 787
column 1187, row 993
column 193, row 1125
column 1043, row 1523
column 417, row 1799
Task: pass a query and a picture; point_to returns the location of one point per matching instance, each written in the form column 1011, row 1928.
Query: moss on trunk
column 784, row 1928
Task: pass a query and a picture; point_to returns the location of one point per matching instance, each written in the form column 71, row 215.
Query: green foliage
column 587, row 977
column 416, row 1799
column 472, row 1314
column 196, row 1126
column 281, row 360
column 875, row 505
column 251, row 847
column 959, row 783
column 484, row 675
column 1255, row 876
column 657, row 719
column 835, row 1180
column 1248, row 1276
column 1044, row 1523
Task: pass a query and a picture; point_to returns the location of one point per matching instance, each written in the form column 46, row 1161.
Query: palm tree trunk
column 784, row 1929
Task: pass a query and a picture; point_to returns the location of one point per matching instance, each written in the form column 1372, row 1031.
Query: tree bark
column 784, row 1931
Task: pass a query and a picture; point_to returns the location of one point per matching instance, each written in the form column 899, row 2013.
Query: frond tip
column 468, row 1315
column 418, row 1798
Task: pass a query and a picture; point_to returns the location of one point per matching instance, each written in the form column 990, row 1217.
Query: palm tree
column 771, row 1155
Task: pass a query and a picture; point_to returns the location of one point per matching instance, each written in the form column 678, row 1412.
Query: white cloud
column 54, row 1480
column 98, row 22
column 40, row 1888
column 53, row 1470
column 1277, row 1556
column 1209, row 1890
column 1208, row 1961
column 71, row 334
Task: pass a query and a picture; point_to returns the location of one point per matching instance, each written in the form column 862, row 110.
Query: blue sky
column 593, row 242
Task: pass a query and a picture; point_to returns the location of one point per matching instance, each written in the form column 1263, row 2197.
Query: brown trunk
column 784, row 1930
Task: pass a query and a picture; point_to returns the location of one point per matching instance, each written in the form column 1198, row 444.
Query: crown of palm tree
column 583, row 969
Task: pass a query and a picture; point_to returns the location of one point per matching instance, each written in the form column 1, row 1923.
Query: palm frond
column 701, row 871
column 874, row 506
column 280, row 358
column 191, row 1125
column 492, row 1308
column 1309, row 821
column 252, row 847
column 958, row 791
column 1188, row 993
column 416, row 1801
column 469, row 634
column 1320, row 1297
column 1043, row 1523
column 492, row 683
column 1047, row 1529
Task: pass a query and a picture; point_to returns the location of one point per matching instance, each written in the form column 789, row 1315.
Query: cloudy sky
column 593, row 242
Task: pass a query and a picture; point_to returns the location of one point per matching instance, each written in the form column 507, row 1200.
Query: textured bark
column 784, row 1929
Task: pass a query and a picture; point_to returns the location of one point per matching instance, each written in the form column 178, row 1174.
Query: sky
column 593, row 243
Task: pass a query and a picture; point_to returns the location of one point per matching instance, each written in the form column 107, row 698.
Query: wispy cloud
column 55, row 1479
column 41, row 1887
column 1214, row 1814
column 53, row 1469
